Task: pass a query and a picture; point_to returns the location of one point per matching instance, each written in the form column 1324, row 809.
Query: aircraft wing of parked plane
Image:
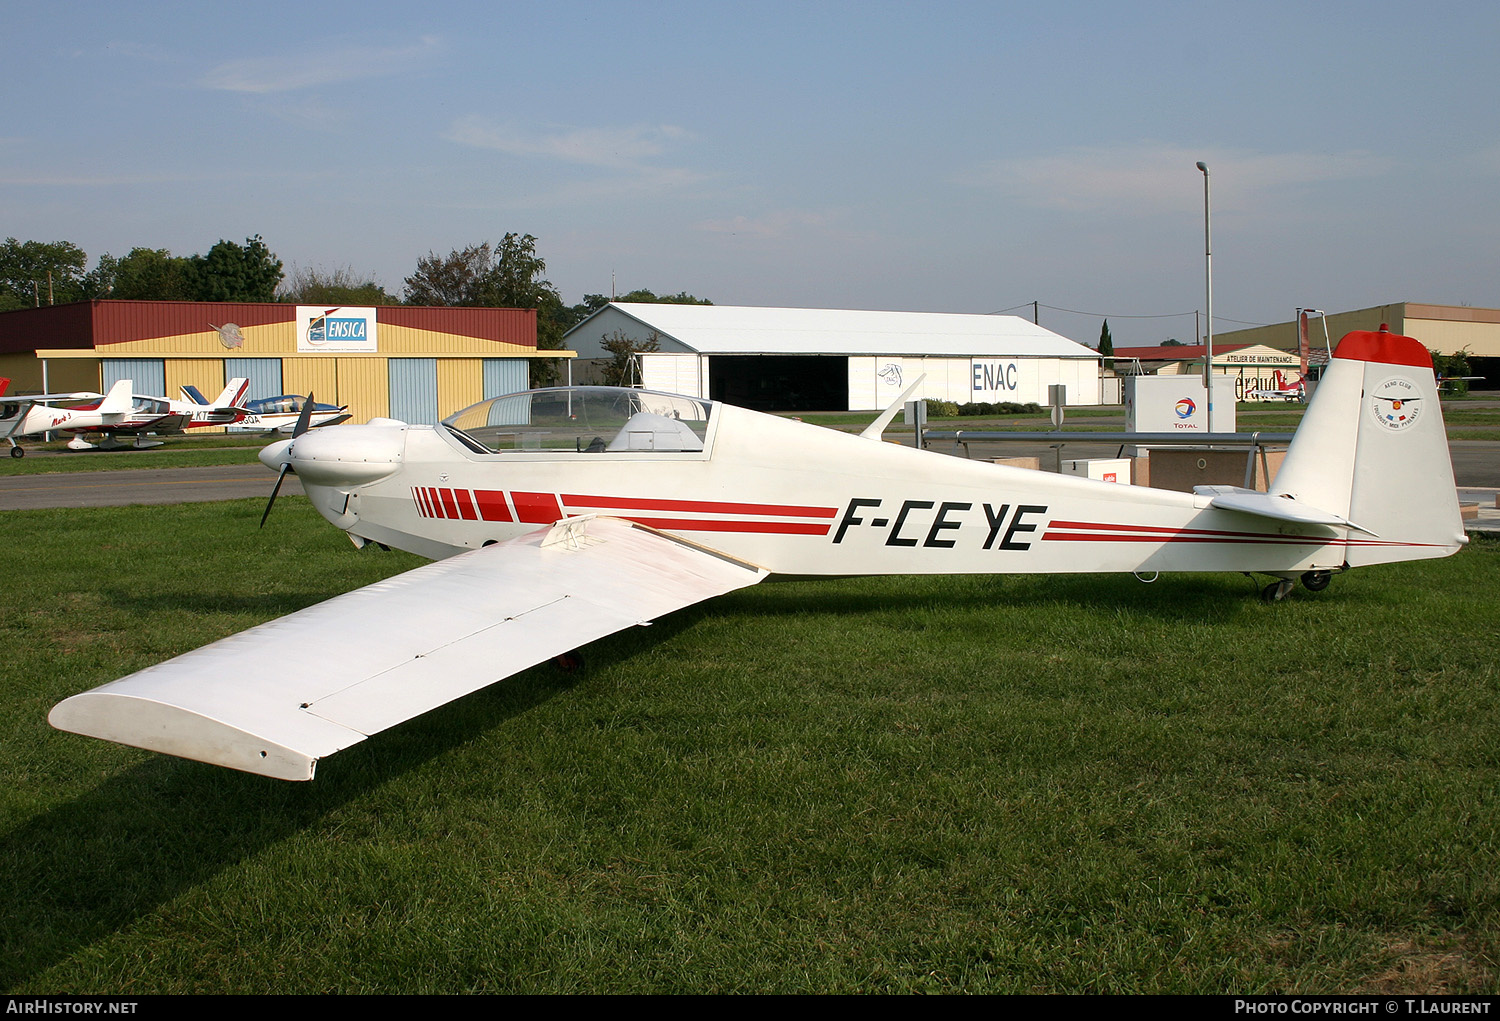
column 559, row 516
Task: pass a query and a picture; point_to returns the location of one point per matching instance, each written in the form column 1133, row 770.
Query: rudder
column 1372, row 447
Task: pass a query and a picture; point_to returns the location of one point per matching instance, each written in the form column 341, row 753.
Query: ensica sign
column 335, row 328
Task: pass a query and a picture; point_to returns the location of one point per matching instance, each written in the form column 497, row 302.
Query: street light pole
column 1208, row 269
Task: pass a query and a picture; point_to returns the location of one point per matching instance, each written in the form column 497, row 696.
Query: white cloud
column 627, row 147
column 1147, row 180
column 778, row 224
column 317, row 67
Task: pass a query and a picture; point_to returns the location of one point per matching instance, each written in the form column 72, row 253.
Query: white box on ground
column 1100, row 469
column 1177, row 404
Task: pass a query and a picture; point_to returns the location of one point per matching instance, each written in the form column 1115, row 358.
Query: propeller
column 304, row 423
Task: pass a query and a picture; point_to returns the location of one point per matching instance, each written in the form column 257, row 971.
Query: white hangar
column 816, row 359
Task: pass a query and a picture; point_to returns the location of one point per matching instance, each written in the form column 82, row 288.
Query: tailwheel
column 1316, row 581
column 1277, row 590
column 569, row 662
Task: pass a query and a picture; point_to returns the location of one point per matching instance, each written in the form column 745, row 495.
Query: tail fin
column 1372, row 449
column 233, row 395
column 193, row 394
column 120, row 400
column 4, row 384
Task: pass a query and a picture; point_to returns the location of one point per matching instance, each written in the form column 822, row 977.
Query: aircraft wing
column 333, row 674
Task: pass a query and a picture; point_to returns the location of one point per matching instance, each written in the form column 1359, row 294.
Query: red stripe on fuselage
column 466, row 505
column 706, row 525
column 702, row 506
column 536, row 508
column 492, row 505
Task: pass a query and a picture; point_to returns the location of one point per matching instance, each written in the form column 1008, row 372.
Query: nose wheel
column 1277, row 590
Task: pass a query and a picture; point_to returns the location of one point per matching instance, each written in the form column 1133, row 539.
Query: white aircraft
column 148, row 414
column 1282, row 390
column 561, row 516
column 1451, row 382
column 35, row 414
column 280, row 414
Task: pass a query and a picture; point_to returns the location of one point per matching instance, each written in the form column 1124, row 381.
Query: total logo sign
column 1186, row 408
column 337, row 328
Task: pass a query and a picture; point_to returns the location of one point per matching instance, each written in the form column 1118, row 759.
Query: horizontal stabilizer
column 427, row 637
column 1278, row 508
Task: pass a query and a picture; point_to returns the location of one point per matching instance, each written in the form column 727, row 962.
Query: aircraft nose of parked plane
column 341, row 455
column 274, row 455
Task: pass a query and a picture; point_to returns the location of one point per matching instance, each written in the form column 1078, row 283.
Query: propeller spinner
column 304, row 422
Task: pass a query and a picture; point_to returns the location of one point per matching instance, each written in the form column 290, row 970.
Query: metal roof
column 741, row 329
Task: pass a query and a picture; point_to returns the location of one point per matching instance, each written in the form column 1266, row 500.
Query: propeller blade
column 285, row 467
column 304, row 420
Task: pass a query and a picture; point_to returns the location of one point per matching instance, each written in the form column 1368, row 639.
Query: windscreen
column 584, row 420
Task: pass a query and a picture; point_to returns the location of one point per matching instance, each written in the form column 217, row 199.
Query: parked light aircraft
column 33, row 415
column 1281, row 389
column 280, row 414
column 146, row 414
column 560, row 516
column 1452, row 382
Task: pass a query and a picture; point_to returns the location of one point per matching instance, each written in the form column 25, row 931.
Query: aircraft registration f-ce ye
column 560, row 516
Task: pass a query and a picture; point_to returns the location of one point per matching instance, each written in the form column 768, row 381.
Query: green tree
column 507, row 275
column 340, row 286
column 1106, row 346
column 40, row 272
column 623, row 368
column 231, row 272
column 145, row 274
column 1452, row 367
column 453, row 279
column 594, row 302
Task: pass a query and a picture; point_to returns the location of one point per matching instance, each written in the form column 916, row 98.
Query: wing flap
column 276, row 698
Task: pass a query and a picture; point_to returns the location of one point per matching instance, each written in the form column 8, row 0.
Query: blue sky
column 925, row 156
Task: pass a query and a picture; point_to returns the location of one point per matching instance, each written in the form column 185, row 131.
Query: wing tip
column 161, row 727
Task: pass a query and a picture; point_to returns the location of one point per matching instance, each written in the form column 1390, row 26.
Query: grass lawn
column 988, row 784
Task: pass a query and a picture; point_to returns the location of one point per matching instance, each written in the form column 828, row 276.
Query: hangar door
column 780, row 382
column 414, row 398
column 147, row 375
column 264, row 375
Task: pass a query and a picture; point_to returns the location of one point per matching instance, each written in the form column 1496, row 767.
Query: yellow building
column 1446, row 329
column 415, row 364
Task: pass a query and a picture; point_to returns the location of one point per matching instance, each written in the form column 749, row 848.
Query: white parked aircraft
column 1282, row 390
column 560, row 516
column 281, row 413
column 35, row 414
column 149, row 414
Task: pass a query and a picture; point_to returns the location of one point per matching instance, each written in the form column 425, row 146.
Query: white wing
column 401, row 647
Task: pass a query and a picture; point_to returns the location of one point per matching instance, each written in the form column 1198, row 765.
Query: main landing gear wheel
column 17, row 452
column 1277, row 591
column 1316, row 581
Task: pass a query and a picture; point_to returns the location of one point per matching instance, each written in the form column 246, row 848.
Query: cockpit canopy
column 584, row 420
